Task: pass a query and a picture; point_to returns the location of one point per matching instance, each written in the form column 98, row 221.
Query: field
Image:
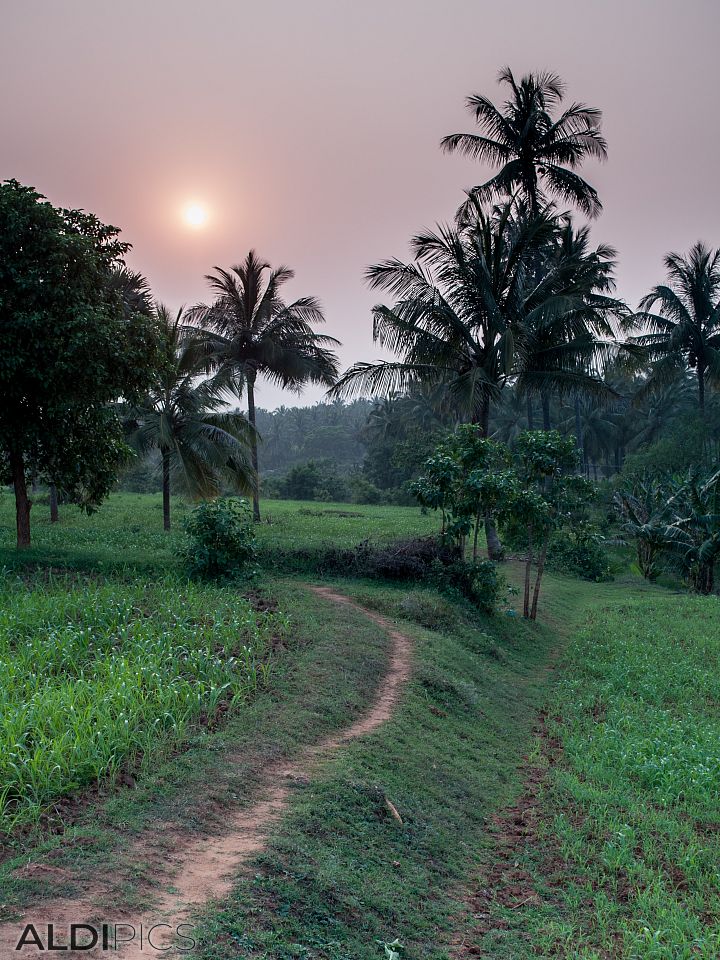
column 127, row 533
column 557, row 784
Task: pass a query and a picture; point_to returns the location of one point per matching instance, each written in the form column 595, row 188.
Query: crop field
column 97, row 675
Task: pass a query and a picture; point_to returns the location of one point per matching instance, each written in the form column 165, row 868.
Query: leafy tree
column 252, row 332
column 202, row 445
column 684, row 333
column 542, row 493
column 72, row 343
column 536, row 151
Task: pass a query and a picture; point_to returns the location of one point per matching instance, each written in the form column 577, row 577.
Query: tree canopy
column 77, row 334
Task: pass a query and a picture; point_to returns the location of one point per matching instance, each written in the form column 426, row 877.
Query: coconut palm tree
column 572, row 336
column 202, row 445
column 684, row 332
column 460, row 314
column 538, row 153
column 252, row 332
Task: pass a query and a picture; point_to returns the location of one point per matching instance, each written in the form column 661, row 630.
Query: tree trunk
column 53, row 504
column 253, row 445
column 540, row 569
column 578, row 427
column 545, row 400
column 475, row 535
column 528, row 567
column 530, row 413
column 701, row 388
column 22, row 502
column 166, row 488
column 485, row 417
column 494, row 547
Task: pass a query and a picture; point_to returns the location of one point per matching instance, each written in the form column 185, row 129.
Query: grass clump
column 95, row 675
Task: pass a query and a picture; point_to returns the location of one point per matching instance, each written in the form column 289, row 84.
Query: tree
column 457, row 317
column 541, row 493
column 536, row 152
column 71, row 345
column 252, row 331
column 570, row 334
column 202, row 445
column 684, row 333
column 468, row 309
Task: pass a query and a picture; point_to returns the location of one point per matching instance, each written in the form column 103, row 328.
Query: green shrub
column 221, row 539
column 580, row 553
column 477, row 582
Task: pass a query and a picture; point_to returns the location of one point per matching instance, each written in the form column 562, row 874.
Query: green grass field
column 95, row 676
column 593, row 835
column 127, row 532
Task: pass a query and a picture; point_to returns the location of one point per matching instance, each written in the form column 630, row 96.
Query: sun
column 195, row 215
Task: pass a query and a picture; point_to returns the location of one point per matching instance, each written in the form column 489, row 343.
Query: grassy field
column 95, row 676
column 559, row 783
column 621, row 851
column 127, row 533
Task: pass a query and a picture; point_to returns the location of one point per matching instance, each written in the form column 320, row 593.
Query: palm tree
column 460, row 314
column 537, row 153
column 252, row 331
column 569, row 336
column 201, row 444
column 685, row 330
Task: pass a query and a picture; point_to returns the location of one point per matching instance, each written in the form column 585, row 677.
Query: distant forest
column 366, row 451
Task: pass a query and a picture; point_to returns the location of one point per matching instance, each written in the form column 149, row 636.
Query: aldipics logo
column 153, row 939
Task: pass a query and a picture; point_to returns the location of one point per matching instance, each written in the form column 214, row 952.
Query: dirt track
column 200, row 870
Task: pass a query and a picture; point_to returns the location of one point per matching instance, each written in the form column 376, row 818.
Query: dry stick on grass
column 393, row 810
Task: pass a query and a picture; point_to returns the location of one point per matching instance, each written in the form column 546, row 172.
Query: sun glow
column 195, row 215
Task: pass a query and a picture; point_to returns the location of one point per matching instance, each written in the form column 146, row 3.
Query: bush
column 580, row 553
column 221, row 538
column 477, row 582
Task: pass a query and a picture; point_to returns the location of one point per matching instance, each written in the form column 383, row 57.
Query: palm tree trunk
column 545, row 400
column 701, row 388
column 494, row 546
column 530, row 413
column 166, row 488
column 578, row 427
column 53, row 504
column 253, row 445
column 22, row 502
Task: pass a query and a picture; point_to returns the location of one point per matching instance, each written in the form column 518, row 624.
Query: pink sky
column 310, row 128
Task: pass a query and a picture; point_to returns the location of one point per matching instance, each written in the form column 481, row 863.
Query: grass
column 126, row 534
column 341, row 876
column 624, row 861
column 96, row 675
column 328, row 667
column 596, row 837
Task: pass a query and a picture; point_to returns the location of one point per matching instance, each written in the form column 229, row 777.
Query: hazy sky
column 309, row 128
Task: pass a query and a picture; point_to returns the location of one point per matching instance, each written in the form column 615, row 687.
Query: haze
column 310, row 130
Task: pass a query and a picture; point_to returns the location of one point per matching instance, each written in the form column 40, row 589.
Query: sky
column 310, row 129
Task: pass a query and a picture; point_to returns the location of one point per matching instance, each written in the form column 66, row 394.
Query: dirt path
column 199, row 870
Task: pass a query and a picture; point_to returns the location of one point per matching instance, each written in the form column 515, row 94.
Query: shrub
column 221, row 538
column 580, row 553
column 477, row 582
